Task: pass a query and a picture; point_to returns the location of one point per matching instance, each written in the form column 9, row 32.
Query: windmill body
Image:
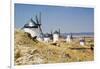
column 56, row 36
column 40, row 38
column 82, row 42
column 47, row 38
column 68, row 39
column 32, row 31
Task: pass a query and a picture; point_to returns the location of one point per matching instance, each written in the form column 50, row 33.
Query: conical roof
column 31, row 24
column 56, row 32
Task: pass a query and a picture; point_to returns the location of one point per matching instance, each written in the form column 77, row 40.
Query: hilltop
column 28, row 51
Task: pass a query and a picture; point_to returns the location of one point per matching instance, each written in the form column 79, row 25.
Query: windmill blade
column 59, row 31
column 40, row 18
column 33, row 21
column 40, row 23
column 51, row 32
column 37, row 21
column 71, row 36
column 40, row 30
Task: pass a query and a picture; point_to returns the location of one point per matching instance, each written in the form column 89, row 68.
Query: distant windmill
column 56, row 36
column 33, row 27
column 51, row 35
column 82, row 41
column 47, row 37
column 69, row 38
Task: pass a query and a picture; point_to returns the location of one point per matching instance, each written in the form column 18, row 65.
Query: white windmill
column 69, row 38
column 56, row 36
column 33, row 27
column 82, row 41
column 47, row 37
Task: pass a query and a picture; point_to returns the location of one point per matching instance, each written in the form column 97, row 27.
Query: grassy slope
column 27, row 51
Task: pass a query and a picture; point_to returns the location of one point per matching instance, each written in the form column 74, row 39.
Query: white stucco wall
column 39, row 39
column 55, row 37
column 82, row 43
column 32, row 31
column 46, row 39
column 68, row 39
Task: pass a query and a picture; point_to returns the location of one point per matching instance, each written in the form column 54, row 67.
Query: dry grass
column 27, row 51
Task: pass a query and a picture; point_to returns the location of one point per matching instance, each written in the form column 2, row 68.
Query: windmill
column 69, row 38
column 82, row 41
column 33, row 27
column 56, row 36
column 38, row 22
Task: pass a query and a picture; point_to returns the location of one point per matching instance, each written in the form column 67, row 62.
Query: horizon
column 68, row 19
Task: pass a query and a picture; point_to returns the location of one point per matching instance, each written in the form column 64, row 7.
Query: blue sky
column 68, row 19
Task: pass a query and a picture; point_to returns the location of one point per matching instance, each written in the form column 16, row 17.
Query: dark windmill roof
column 56, row 32
column 82, row 40
column 33, row 24
column 47, row 35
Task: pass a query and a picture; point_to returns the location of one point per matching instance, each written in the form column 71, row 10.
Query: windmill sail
column 33, row 21
column 37, row 21
column 40, row 23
